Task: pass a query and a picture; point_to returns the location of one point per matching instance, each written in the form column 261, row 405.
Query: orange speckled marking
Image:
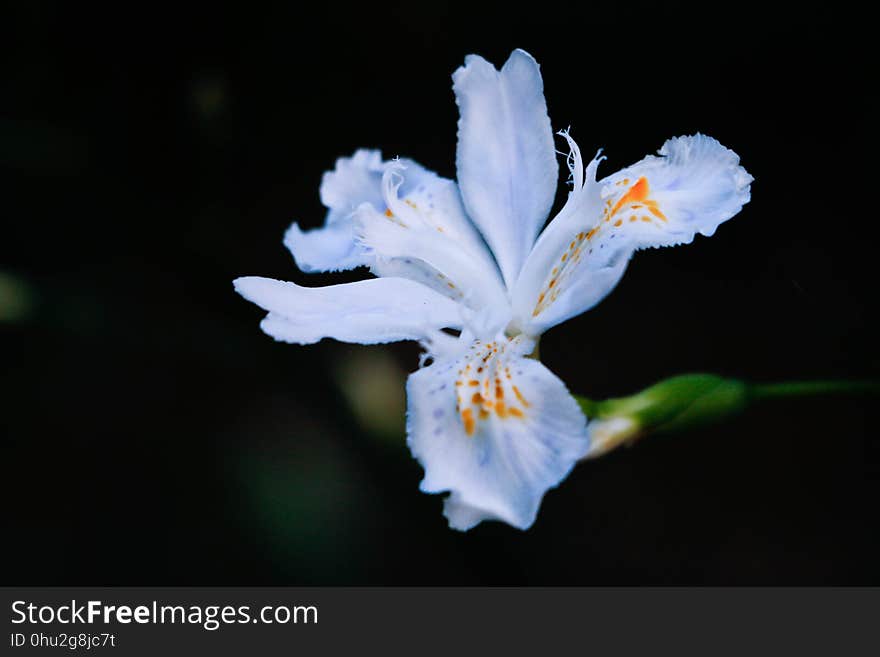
column 489, row 394
column 388, row 212
column 634, row 197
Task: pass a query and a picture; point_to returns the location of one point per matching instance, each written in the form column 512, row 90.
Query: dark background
column 153, row 435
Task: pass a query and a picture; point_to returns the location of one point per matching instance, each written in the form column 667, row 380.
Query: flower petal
column 357, row 180
column 407, row 233
column 695, row 185
column 494, row 428
column 354, row 180
column 368, row 312
column 506, row 160
column 331, row 248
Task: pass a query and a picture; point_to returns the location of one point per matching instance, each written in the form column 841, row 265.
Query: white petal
column 695, row 185
column 331, row 248
column 692, row 187
column 409, row 234
column 368, row 312
column 506, row 160
column 496, row 444
column 354, row 180
column 551, row 257
column 357, row 180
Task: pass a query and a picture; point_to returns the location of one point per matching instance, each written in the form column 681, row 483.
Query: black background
column 152, row 435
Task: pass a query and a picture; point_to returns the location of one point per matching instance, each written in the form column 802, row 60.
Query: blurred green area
column 374, row 386
column 17, row 298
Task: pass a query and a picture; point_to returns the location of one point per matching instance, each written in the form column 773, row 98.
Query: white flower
column 490, row 425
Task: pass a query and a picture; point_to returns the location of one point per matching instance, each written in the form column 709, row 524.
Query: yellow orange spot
column 467, row 417
column 633, row 218
column 477, row 398
column 473, row 383
column 636, row 193
column 519, row 395
column 484, row 414
column 656, row 212
column 515, row 412
column 501, row 409
column 618, row 222
column 388, row 212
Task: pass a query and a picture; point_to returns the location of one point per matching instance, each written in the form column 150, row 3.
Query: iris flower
column 466, row 269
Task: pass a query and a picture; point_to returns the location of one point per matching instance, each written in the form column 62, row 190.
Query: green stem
column 762, row 391
column 693, row 400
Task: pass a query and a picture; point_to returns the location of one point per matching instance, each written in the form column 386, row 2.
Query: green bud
column 677, row 403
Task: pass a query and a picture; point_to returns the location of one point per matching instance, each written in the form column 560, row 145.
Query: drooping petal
column 450, row 257
column 367, row 312
column 494, row 428
column 331, row 248
column 506, row 160
column 692, row 187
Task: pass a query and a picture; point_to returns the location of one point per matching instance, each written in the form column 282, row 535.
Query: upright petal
column 368, row 312
column 692, row 187
column 494, row 428
column 506, row 160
